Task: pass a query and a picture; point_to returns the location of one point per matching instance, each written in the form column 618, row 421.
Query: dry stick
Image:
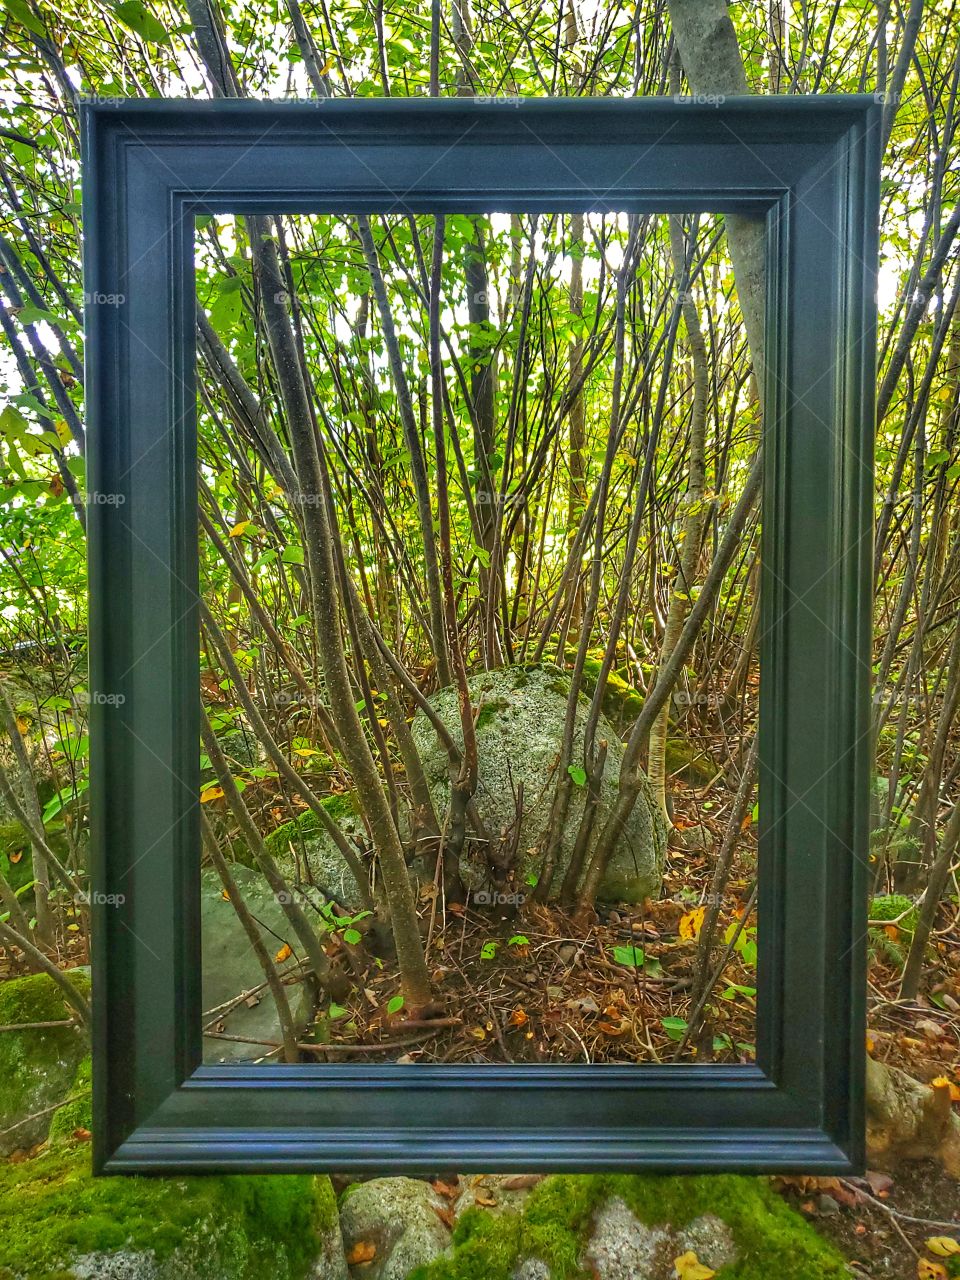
column 33, row 825
column 939, row 873
column 622, row 604
column 721, row 872
column 464, row 784
column 305, row 1047
column 696, row 511
column 261, row 729
column 11, row 902
column 318, row 539
column 425, row 817
column 411, row 435
column 249, row 925
column 45, row 1111
column 279, row 886
column 318, row 535
column 28, row 812
column 423, row 703
column 629, row 778
column 694, row 1019
column 572, row 877
column 265, row 621
column 564, row 785
column 42, row 964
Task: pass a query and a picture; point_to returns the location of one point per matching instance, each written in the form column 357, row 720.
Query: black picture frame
column 810, row 168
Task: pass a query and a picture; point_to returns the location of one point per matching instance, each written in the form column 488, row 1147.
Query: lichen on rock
column 519, row 715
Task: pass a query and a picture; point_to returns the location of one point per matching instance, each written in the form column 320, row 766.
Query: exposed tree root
column 907, row 1120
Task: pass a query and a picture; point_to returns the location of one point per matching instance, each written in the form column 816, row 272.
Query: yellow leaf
column 362, row 1251
column 63, row 431
column 927, row 1270
column 689, row 1267
column 327, row 67
column 305, row 752
column 692, row 922
column 283, row 954
column 242, row 527
column 943, row 1246
column 211, row 793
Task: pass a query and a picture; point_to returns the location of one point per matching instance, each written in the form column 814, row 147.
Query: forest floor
column 882, row 1223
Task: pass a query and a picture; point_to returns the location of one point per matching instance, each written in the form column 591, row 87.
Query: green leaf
column 394, row 1004
column 577, row 773
column 25, row 16
column 29, row 314
column 630, row 956
column 292, row 555
column 674, row 1027
column 352, row 936
column 137, row 17
column 336, row 1011
column 13, row 424
column 488, row 951
column 735, row 989
column 519, row 940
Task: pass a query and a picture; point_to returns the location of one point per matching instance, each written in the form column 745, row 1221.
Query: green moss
column 891, row 906
column 36, row 1066
column 76, row 1114
column 306, row 826
column 37, row 998
column 881, row 945
column 489, row 711
column 771, row 1238
column 621, row 703
column 52, row 1211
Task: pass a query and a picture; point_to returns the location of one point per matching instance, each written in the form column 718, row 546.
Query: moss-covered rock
column 37, row 1065
column 76, row 1114
column 59, row 1223
column 519, row 720
column 307, row 855
column 558, row 1221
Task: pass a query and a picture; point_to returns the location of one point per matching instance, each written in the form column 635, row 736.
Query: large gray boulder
column 519, row 714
